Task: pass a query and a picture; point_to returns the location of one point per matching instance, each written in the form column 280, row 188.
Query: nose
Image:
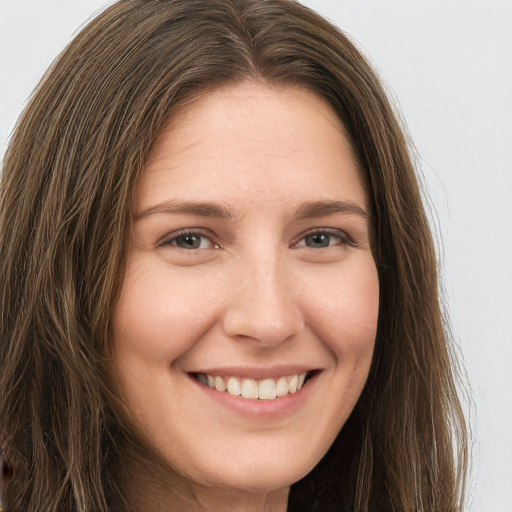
column 263, row 306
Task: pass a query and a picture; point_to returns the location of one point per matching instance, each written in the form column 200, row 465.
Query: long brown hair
column 65, row 207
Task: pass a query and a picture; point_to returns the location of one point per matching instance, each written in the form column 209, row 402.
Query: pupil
column 318, row 240
column 189, row 242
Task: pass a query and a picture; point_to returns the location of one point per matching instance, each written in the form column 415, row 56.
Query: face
column 245, row 328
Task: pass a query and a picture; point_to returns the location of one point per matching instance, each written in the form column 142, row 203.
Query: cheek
column 345, row 314
column 159, row 316
column 157, row 319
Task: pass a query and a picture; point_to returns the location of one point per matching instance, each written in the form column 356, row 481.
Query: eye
column 324, row 238
column 189, row 240
column 319, row 240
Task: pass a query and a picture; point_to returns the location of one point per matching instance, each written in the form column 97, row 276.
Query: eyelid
column 336, row 232
column 170, row 237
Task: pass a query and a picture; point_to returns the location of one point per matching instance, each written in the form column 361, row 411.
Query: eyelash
column 342, row 236
column 172, row 239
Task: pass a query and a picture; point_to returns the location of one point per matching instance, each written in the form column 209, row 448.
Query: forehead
column 255, row 142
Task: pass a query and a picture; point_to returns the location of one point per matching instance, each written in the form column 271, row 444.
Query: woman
column 219, row 285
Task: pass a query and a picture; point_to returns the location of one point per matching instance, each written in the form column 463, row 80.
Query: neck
column 212, row 501
column 158, row 491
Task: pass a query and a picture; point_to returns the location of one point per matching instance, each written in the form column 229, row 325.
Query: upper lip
column 258, row 373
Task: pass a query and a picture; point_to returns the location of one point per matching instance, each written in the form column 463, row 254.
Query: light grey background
column 449, row 63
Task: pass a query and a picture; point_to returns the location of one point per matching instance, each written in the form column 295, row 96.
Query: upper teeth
column 266, row 389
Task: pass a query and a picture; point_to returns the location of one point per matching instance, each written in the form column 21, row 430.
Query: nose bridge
column 264, row 306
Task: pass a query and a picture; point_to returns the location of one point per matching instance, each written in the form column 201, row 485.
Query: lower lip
column 277, row 407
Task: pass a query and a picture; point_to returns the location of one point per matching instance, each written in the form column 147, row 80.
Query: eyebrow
column 201, row 208
column 307, row 210
column 323, row 208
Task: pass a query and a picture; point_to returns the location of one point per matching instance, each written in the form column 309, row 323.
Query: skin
column 267, row 286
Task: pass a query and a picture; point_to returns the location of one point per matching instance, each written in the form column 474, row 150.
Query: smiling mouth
column 252, row 389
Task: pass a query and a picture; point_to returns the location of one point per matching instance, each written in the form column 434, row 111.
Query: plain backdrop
column 448, row 66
